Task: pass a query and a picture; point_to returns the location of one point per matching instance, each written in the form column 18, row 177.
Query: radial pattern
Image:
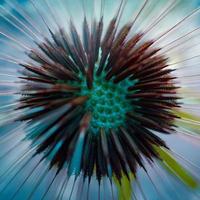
column 112, row 92
column 96, row 97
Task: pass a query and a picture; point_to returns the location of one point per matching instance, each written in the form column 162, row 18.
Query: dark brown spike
column 149, row 54
column 115, row 162
column 144, row 146
column 35, row 99
column 89, row 158
column 89, row 78
column 147, row 85
column 158, row 74
column 104, row 146
column 136, row 54
column 150, row 70
column 162, row 114
column 86, row 36
column 106, row 44
column 37, row 70
column 132, row 58
column 47, row 50
column 73, row 53
column 162, row 78
column 77, row 43
column 59, row 88
column 92, row 56
column 98, row 38
column 60, row 73
column 130, row 143
column 145, row 121
column 114, row 141
column 101, row 163
column 61, row 125
column 84, row 124
column 37, row 79
column 124, row 52
column 39, row 57
column 118, row 146
column 117, row 45
column 143, row 95
column 125, row 73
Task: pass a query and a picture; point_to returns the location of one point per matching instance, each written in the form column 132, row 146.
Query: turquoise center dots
column 107, row 102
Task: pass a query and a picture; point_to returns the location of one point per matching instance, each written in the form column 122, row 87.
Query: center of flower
column 107, row 102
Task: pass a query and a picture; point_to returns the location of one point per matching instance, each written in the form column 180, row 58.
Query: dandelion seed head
column 126, row 89
column 97, row 97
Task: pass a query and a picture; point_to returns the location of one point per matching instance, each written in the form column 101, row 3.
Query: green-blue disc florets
column 107, row 102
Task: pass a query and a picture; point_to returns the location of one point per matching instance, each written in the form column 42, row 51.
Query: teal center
column 107, row 102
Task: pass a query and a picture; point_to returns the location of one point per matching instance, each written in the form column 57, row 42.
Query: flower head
column 96, row 100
